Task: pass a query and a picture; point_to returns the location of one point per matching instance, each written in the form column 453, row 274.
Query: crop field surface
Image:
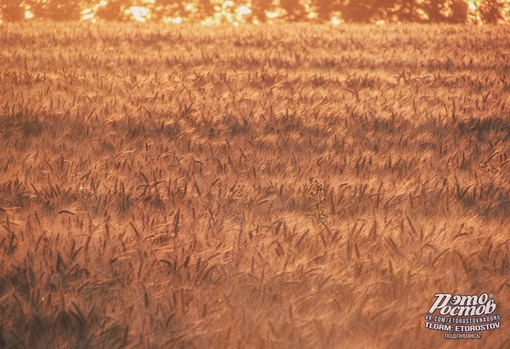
column 284, row 186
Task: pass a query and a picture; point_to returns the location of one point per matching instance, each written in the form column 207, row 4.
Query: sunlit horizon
column 228, row 12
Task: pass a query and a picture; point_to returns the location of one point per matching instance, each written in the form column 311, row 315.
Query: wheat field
column 287, row 186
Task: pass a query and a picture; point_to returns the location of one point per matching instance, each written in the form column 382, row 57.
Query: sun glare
column 87, row 15
column 243, row 10
column 336, row 21
column 172, row 20
column 272, row 14
column 140, row 14
column 190, row 8
column 229, row 11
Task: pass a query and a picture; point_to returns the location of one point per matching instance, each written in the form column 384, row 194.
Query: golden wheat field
column 287, row 186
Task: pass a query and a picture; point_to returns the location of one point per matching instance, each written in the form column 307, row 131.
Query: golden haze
column 297, row 186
